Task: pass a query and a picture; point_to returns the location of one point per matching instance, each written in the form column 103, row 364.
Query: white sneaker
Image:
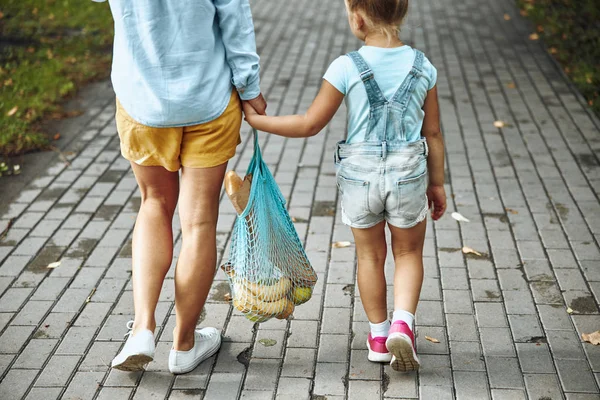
column 137, row 352
column 206, row 343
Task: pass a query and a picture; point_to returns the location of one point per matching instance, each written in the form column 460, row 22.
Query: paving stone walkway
column 530, row 190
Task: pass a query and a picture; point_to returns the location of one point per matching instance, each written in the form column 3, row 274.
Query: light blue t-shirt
column 390, row 67
column 174, row 62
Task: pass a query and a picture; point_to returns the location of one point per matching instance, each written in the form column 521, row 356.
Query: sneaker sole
column 378, row 357
column 190, row 367
column 404, row 358
column 136, row 362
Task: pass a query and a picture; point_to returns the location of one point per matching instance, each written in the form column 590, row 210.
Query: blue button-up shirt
column 174, row 62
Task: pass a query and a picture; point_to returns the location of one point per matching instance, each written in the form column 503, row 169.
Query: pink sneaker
column 401, row 343
column 377, row 350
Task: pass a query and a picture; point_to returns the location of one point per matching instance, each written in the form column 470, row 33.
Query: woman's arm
column 435, row 161
column 318, row 115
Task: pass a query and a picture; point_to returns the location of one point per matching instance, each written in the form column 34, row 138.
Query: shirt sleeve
column 431, row 73
column 337, row 74
column 237, row 31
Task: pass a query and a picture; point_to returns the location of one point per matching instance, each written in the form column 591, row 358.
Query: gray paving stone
column 262, row 373
column 154, row 385
column 471, row 385
column 428, row 313
column 466, row 356
column 14, row 337
column 524, row 327
column 293, row 388
column 57, row 371
column 575, row 376
column 15, row 383
column 437, row 392
column 32, row 313
column 333, row 348
column 425, row 346
column 565, row 344
column 461, row 327
column 99, row 356
column 363, row 389
column 329, row 379
column 303, row 334
column 94, row 313
column 110, row 393
column 35, row 353
column 458, row 302
column 43, row 394
column 508, row 394
column 542, row 385
column 223, row 386
column 84, row 385
column 76, row 341
column 504, row 373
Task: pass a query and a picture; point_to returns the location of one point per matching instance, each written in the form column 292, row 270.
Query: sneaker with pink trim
column 401, row 343
column 377, row 350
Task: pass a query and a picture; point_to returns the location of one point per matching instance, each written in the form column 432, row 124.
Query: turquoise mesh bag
column 268, row 270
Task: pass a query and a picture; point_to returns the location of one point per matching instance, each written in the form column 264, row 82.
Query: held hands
column 436, row 194
column 254, row 107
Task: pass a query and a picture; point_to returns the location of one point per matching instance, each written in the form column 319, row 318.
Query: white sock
column 404, row 316
column 381, row 329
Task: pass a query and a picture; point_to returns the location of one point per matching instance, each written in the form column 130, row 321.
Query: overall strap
column 408, row 86
column 374, row 93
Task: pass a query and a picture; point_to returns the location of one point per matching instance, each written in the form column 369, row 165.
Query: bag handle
column 257, row 161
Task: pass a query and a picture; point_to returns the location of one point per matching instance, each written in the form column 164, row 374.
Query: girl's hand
column 436, row 194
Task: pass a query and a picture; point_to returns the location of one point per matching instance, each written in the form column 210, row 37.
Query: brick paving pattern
column 530, row 190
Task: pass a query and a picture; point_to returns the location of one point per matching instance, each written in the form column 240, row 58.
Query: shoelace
column 129, row 326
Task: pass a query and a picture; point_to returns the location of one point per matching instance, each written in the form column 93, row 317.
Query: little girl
column 389, row 169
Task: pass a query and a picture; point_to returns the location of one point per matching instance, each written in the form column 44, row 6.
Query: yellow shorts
column 197, row 146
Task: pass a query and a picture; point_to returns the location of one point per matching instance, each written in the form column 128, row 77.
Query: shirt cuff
column 251, row 91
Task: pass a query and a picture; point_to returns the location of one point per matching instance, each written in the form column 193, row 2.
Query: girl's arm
column 435, row 161
column 318, row 115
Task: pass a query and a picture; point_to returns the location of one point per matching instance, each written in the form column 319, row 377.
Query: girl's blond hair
column 386, row 15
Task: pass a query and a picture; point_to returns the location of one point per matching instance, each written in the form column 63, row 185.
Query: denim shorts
column 378, row 183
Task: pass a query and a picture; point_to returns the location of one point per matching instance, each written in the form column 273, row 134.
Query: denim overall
column 384, row 177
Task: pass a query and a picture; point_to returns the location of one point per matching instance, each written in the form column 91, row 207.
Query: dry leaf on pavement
column 339, row 245
column 53, row 265
column 89, row 298
column 468, row 250
column 499, row 124
column 459, row 217
column 593, row 338
column 432, row 340
column 12, row 111
column 511, row 85
column 534, row 36
column 569, row 310
column 510, row 210
column 506, row 17
column 227, row 297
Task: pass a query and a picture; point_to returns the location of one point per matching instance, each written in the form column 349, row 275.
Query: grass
column 48, row 48
column 571, row 29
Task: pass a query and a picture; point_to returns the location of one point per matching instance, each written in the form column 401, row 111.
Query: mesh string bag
column 268, row 270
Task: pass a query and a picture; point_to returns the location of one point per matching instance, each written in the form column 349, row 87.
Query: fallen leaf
column 30, row 49
column 51, row 17
column 12, row 111
column 49, row 54
column 459, row 217
column 511, row 85
column 510, row 210
column 57, row 136
column 468, row 250
column 534, row 36
column 524, row 13
column 593, row 338
column 53, row 265
column 540, row 28
column 34, row 11
column 569, row 310
column 553, row 50
column 506, row 17
column 227, row 297
column 433, row 340
column 294, row 219
column 339, row 245
column 89, row 298
column 8, row 82
column 268, row 342
column 499, row 124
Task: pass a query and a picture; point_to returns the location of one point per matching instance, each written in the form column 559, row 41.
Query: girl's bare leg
column 371, row 250
column 198, row 211
column 152, row 247
column 407, row 246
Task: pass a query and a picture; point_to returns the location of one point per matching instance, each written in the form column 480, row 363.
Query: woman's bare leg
column 198, row 211
column 152, row 250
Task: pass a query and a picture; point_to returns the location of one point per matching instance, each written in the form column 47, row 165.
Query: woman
column 173, row 68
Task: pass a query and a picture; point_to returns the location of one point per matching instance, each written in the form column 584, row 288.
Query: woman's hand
column 250, row 113
column 436, row 195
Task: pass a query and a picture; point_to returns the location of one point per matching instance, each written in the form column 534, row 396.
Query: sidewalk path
column 530, row 190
